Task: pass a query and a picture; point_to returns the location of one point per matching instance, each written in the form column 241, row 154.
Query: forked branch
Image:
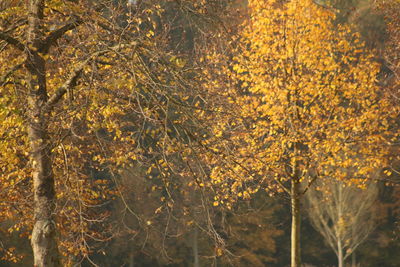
column 57, row 34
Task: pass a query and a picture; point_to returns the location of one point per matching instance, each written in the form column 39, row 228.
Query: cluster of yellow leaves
column 301, row 99
column 10, row 255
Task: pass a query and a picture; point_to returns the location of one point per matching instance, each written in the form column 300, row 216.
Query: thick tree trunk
column 43, row 240
column 295, row 206
column 44, row 245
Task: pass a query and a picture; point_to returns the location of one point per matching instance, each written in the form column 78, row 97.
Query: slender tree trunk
column 340, row 230
column 195, row 248
column 44, row 245
column 132, row 260
column 295, row 206
column 353, row 259
column 340, row 253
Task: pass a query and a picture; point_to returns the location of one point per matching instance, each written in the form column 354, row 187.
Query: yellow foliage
column 113, row 114
column 303, row 94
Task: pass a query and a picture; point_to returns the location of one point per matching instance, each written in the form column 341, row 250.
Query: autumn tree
column 343, row 215
column 87, row 87
column 294, row 100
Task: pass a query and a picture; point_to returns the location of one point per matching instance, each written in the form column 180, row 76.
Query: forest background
column 154, row 133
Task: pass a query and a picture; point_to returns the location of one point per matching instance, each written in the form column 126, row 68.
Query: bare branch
column 284, row 188
column 57, row 34
column 309, row 184
column 12, row 41
column 70, row 83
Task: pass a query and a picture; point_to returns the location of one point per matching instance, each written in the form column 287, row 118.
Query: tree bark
column 195, row 248
column 340, row 230
column 295, row 238
column 132, row 259
column 353, row 259
column 340, row 253
column 43, row 241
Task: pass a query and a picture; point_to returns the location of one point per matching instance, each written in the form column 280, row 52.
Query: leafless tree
column 343, row 214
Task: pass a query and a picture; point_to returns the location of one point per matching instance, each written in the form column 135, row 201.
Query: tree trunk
column 340, row 253
column 353, row 259
column 340, row 230
column 132, row 259
column 295, row 206
column 195, row 248
column 44, row 245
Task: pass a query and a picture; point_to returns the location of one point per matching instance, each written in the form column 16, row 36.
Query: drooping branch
column 12, row 41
